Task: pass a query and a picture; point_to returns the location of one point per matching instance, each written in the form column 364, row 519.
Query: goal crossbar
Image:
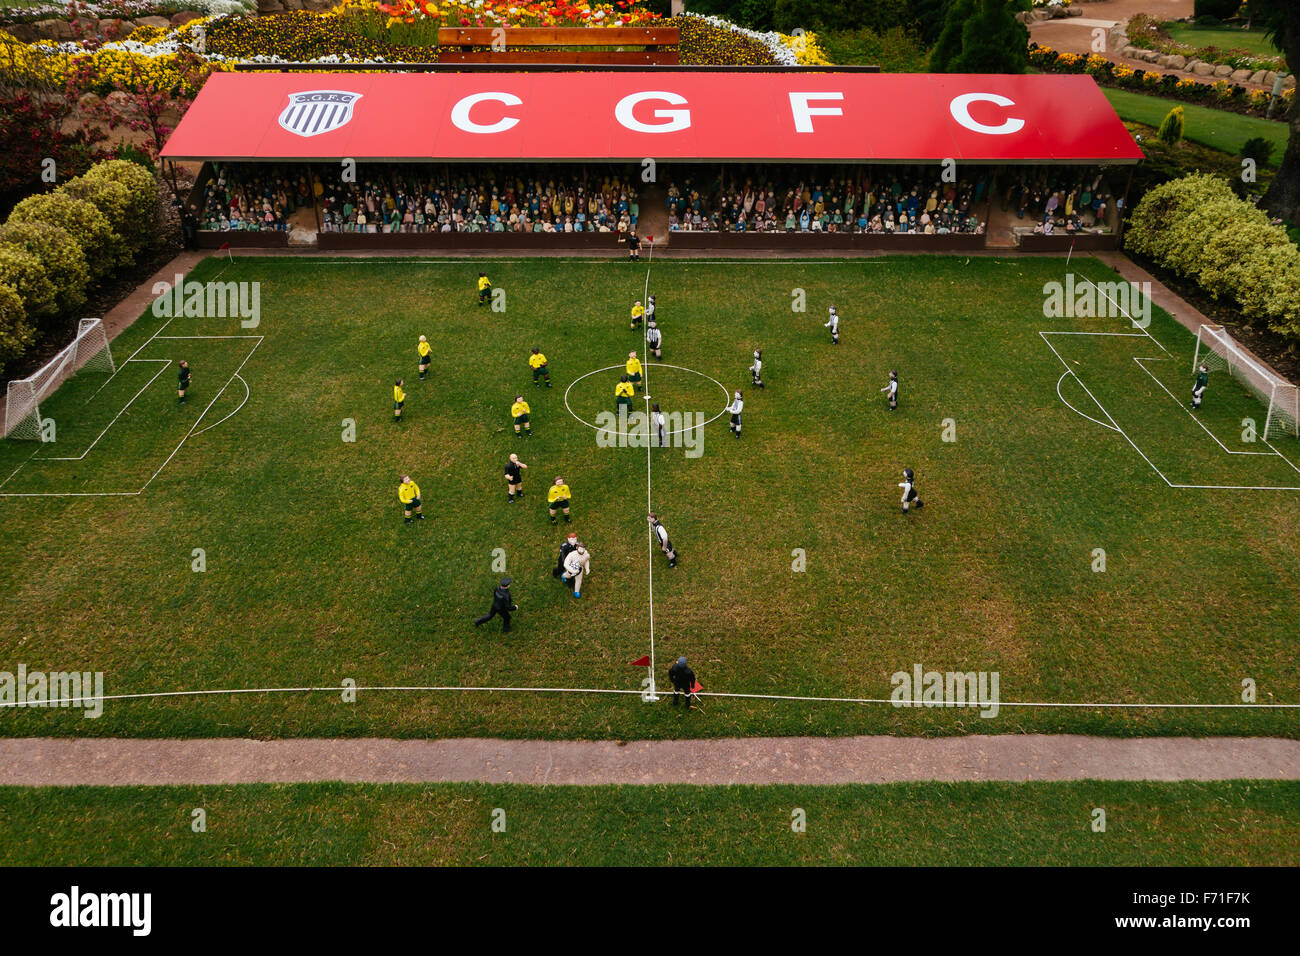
column 23, row 396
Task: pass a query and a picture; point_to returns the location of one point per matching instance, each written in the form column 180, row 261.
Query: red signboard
column 788, row 116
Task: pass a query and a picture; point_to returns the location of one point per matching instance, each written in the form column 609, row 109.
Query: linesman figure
column 756, row 370
column 182, row 381
column 682, row 678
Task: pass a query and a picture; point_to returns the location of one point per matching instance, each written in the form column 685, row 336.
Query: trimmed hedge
column 23, row 272
column 16, row 331
column 139, row 228
column 114, row 201
column 1197, row 227
column 63, row 259
column 81, row 220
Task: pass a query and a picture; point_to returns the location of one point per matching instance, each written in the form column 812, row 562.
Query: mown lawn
column 312, row 579
column 1225, row 823
column 1225, row 38
column 1218, row 129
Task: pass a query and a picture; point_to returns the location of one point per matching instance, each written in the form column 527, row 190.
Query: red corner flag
column 641, row 662
column 697, row 688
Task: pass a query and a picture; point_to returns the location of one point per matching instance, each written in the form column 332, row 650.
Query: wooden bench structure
column 497, row 45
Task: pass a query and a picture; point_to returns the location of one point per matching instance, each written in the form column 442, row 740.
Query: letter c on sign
column 676, row 119
column 460, row 113
column 960, row 108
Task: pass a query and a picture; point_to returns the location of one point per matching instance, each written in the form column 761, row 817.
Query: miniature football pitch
column 1085, row 536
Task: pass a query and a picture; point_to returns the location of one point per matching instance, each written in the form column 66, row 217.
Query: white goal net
column 1219, row 350
column 89, row 350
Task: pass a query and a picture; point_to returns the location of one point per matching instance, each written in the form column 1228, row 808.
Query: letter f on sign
column 803, row 113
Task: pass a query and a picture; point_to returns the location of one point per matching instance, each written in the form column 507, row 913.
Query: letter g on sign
column 960, row 109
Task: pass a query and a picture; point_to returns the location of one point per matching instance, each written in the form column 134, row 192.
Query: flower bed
column 176, row 61
column 120, row 10
column 1148, row 33
column 1176, row 86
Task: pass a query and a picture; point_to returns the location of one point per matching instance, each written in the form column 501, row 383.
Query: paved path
column 793, row 760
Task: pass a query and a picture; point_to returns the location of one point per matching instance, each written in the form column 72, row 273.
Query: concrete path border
column 43, row 761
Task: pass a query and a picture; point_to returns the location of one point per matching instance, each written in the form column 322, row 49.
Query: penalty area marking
column 194, row 429
column 1125, row 435
column 648, row 366
column 237, row 691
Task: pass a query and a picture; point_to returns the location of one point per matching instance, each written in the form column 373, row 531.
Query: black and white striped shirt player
column 735, row 408
column 833, row 323
column 892, row 389
column 910, row 495
column 661, row 538
column 756, row 370
column 654, row 338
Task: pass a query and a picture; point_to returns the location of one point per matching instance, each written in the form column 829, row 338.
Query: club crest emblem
column 318, row 111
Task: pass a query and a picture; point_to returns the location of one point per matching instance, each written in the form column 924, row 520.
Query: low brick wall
column 244, row 240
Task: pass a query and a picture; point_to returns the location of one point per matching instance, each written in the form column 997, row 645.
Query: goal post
column 23, row 397
column 1219, row 350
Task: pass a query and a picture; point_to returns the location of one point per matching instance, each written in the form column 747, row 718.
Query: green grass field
column 1225, row 38
column 312, row 578
column 1228, row 823
column 1218, row 129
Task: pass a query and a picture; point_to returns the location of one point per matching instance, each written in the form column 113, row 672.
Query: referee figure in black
column 502, row 604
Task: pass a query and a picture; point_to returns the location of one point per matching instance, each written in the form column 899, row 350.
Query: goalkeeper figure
column 182, row 382
column 484, row 288
column 1202, row 380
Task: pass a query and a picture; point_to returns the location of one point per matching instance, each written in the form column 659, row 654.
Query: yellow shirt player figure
column 557, row 499
column 634, row 369
column 484, row 288
column 426, row 356
column 520, row 412
column 638, row 313
column 399, row 399
column 408, row 493
column 537, row 361
column 623, row 396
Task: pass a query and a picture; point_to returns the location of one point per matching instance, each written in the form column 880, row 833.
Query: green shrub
column 982, row 36
column 16, row 330
column 816, row 16
column 23, row 272
column 1257, row 148
column 140, row 226
column 1171, row 127
column 1216, row 9
column 894, row 51
column 1197, row 227
column 81, row 220
column 132, row 153
column 64, row 262
column 114, row 201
